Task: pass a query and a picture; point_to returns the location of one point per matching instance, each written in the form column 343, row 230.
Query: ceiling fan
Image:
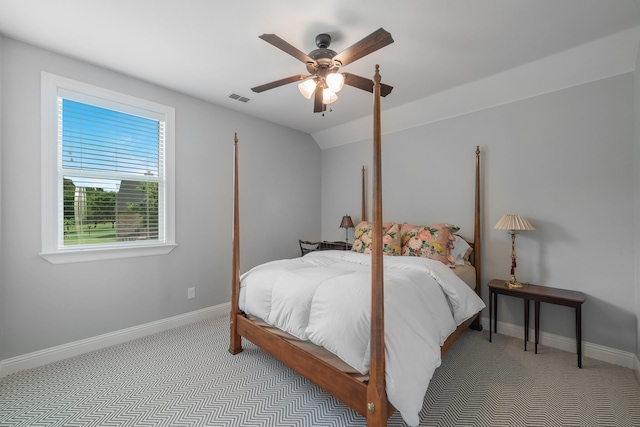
column 323, row 64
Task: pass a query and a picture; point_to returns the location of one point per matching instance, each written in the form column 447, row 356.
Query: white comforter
column 325, row 297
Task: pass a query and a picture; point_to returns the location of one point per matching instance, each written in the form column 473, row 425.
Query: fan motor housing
column 323, row 56
column 322, row 53
column 323, row 61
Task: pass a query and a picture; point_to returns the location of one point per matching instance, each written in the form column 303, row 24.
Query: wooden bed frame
column 368, row 398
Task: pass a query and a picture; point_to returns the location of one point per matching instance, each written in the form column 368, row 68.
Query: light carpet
column 186, row 377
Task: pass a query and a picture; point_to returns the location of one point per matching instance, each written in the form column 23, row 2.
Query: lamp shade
column 346, row 222
column 307, row 88
column 335, row 81
column 513, row 222
column 328, row 97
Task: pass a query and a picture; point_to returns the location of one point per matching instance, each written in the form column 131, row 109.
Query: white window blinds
column 112, row 168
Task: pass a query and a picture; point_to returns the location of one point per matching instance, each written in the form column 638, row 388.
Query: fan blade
column 365, row 84
column 374, row 41
column 286, row 47
column 281, row 82
column 318, row 106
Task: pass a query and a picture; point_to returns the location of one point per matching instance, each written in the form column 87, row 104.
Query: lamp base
column 513, row 283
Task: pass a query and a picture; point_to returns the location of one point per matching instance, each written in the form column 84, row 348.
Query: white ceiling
column 208, row 48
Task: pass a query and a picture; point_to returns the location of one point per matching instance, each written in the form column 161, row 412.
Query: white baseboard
column 53, row 354
column 595, row 351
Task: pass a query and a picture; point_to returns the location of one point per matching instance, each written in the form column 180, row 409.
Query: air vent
column 237, row 97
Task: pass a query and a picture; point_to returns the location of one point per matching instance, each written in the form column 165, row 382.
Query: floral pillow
column 429, row 241
column 390, row 238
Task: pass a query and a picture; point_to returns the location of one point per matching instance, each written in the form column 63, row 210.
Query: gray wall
column 565, row 160
column 43, row 305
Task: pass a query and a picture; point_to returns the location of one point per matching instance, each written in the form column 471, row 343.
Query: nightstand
column 306, row 246
column 334, row 246
column 538, row 294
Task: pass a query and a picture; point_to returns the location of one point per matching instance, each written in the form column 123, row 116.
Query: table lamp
column 513, row 223
column 346, row 223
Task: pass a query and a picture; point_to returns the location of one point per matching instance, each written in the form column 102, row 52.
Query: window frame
column 53, row 250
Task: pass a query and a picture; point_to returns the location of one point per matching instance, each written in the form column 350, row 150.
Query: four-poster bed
column 366, row 394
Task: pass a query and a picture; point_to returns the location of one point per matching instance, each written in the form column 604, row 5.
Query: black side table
column 538, row 294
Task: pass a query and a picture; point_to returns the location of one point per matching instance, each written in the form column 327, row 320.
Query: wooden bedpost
column 377, row 403
column 477, row 245
column 235, row 344
column 364, row 204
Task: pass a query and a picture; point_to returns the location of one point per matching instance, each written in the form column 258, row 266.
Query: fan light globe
column 328, row 97
column 335, row 81
column 307, row 88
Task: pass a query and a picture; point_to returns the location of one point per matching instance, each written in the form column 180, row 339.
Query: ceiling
column 209, row 49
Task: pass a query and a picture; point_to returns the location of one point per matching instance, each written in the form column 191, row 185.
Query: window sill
column 67, row 257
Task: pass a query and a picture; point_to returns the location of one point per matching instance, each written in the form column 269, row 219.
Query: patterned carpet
column 186, row 377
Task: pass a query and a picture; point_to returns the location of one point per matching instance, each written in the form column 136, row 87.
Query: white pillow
column 460, row 248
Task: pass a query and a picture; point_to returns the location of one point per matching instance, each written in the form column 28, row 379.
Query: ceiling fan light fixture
column 328, row 96
column 307, row 88
column 335, row 81
column 323, row 80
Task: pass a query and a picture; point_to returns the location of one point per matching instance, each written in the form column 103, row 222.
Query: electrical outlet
column 191, row 293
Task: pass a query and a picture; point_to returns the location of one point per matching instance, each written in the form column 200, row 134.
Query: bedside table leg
column 526, row 323
column 495, row 312
column 537, row 324
column 491, row 319
column 579, row 333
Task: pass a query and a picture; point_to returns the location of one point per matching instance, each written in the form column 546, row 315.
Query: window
column 107, row 162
